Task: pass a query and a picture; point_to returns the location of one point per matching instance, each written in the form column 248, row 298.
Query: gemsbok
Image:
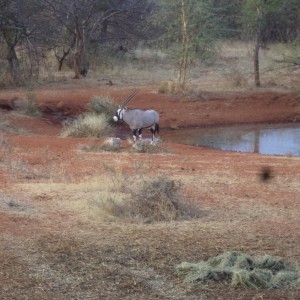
column 138, row 119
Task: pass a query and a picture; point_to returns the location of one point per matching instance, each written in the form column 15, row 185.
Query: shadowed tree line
column 30, row 29
column 34, row 27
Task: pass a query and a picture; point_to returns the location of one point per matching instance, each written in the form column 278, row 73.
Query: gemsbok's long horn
column 129, row 98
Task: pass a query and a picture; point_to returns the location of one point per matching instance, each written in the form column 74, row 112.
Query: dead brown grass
column 82, row 257
column 115, row 261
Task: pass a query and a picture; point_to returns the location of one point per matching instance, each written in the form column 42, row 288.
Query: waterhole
column 265, row 139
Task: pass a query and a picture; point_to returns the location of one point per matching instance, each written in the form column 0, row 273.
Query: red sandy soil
column 242, row 211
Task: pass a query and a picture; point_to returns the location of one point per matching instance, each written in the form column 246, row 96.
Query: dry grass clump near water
column 87, row 125
column 96, row 122
column 243, row 270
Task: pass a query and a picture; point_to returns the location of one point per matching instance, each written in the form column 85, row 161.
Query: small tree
column 259, row 19
column 26, row 33
column 84, row 21
column 14, row 28
column 258, row 40
column 189, row 26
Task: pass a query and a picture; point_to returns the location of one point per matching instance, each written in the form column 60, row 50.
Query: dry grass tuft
column 157, row 200
column 111, row 144
column 235, row 78
column 148, row 147
column 28, row 106
column 187, row 89
column 14, row 203
column 168, row 87
column 108, row 145
column 87, row 125
column 243, row 271
column 32, row 108
column 5, row 147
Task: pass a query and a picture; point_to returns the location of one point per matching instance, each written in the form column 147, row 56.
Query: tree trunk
column 62, row 59
column 256, row 141
column 81, row 52
column 14, row 65
column 257, row 46
column 78, row 51
column 84, row 54
column 10, row 37
column 184, row 43
column 76, row 65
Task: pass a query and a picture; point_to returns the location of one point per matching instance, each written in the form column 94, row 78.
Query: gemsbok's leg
column 140, row 134
column 134, row 132
column 154, row 129
column 153, row 134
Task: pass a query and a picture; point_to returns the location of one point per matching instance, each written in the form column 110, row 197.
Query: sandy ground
column 53, row 243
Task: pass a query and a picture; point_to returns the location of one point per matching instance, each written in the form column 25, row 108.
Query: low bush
column 152, row 200
column 32, row 109
column 28, row 106
column 103, row 105
column 157, row 200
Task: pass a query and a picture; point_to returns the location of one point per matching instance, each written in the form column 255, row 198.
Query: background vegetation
column 40, row 37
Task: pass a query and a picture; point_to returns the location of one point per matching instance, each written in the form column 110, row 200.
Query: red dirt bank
column 207, row 109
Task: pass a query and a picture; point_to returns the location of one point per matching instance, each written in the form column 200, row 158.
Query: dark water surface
column 265, row 139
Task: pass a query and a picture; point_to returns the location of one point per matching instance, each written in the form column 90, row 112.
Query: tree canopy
column 32, row 28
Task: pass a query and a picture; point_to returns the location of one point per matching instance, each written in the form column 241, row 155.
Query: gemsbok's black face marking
column 116, row 117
